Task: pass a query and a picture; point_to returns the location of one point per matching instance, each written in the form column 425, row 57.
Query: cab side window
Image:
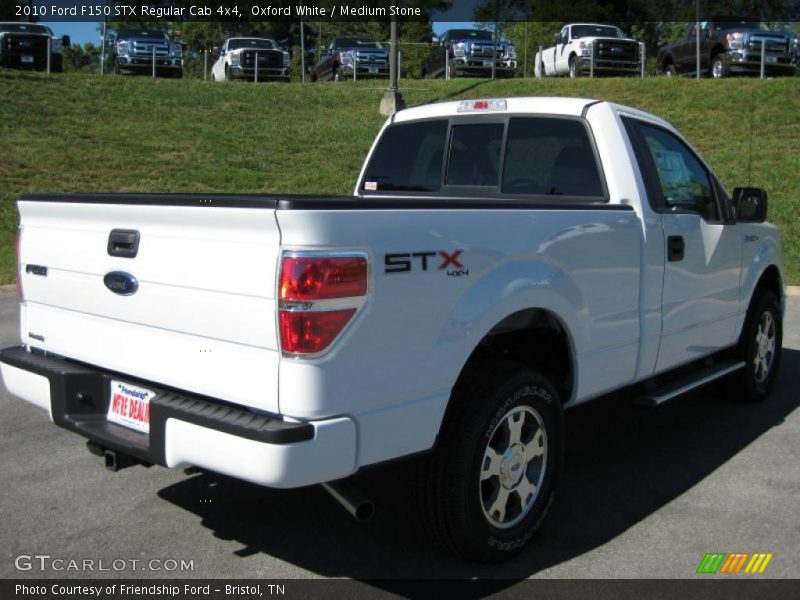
column 684, row 181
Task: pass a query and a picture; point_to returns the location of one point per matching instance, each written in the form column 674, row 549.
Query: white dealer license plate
column 487, row 63
column 771, row 59
column 373, row 69
column 130, row 406
column 27, row 59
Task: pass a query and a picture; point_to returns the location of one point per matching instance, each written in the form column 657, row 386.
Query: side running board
column 676, row 388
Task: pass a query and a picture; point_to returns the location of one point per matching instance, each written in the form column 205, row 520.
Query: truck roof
column 547, row 105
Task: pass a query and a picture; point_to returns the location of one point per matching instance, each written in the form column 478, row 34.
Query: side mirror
column 65, row 41
column 435, row 40
column 750, row 204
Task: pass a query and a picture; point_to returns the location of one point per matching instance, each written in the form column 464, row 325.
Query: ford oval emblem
column 121, row 283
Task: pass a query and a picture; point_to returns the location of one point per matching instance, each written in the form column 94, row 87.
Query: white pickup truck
column 500, row 261
column 589, row 49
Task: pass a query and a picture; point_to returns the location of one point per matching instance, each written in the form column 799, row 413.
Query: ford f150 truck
column 141, row 51
column 577, row 46
column 342, row 55
column 728, row 47
column 500, row 261
column 25, row 46
column 469, row 52
column 257, row 59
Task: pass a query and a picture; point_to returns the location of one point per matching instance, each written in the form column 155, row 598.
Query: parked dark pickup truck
column 135, row 51
column 342, row 55
column 24, row 46
column 470, row 51
column 728, row 47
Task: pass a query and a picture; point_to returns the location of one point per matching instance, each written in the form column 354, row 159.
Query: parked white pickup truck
column 587, row 48
column 500, row 261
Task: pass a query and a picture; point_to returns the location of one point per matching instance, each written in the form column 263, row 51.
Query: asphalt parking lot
column 645, row 495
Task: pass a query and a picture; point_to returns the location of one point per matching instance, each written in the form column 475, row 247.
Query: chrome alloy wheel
column 765, row 347
column 513, row 467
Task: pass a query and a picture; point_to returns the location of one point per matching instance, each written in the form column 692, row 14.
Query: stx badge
column 405, row 262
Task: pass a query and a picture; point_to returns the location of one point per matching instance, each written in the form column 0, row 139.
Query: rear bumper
column 185, row 430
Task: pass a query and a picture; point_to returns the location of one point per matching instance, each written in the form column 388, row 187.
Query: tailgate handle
column 123, row 243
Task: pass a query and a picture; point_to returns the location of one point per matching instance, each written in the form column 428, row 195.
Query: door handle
column 675, row 247
column 123, row 243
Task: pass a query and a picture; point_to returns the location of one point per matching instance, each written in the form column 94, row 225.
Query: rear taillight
column 318, row 295
column 20, row 291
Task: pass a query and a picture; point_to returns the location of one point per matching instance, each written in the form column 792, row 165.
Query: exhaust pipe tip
column 364, row 511
column 351, row 499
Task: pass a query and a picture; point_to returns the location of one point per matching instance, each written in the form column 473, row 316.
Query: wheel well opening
column 717, row 50
column 535, row 338
column 771, row 280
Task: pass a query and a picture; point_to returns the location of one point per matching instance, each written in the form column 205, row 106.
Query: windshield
column 579, row 31
column 24, row 28
column 146, row 34
column 256, row 43
column 469, row 34
column 725, row 25
column 355, row 43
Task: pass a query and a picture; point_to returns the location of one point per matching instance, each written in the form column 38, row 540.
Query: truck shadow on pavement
column 622, row 464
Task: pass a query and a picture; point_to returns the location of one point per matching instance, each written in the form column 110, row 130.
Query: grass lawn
column 80, row 132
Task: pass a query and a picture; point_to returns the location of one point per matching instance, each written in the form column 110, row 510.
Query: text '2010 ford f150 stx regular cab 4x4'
column 501, row 260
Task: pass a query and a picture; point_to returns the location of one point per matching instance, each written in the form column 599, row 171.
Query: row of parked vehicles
column 727, row 46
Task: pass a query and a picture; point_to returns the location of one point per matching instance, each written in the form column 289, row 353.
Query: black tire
column 719, row 67
column 573, row 67
column 227, row 74
column 542, row 72
column 754, row 382
column 463, row 479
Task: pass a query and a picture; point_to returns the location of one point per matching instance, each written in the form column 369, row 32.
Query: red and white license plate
column 130, row 406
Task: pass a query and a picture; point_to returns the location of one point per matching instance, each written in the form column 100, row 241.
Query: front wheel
column 759, row 348
column 573, row 66
column 492, row 478
column 719, row 67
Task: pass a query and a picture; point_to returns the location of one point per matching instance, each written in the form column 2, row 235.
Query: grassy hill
column 81, row 132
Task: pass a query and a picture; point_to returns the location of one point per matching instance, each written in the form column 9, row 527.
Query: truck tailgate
column 203, row 316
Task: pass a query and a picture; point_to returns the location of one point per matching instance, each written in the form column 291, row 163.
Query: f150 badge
column 121, row 283
column 405, row 262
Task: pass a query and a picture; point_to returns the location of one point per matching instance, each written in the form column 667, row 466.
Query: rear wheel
column 760, row 348
column 491, row 480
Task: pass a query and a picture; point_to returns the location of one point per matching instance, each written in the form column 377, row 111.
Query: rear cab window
column 547, row 157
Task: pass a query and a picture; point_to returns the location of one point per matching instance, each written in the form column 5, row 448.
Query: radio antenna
column 750, row 142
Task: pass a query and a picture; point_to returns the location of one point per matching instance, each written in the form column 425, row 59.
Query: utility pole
column 392, row 101
column 302, row 51
column 697, row 36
